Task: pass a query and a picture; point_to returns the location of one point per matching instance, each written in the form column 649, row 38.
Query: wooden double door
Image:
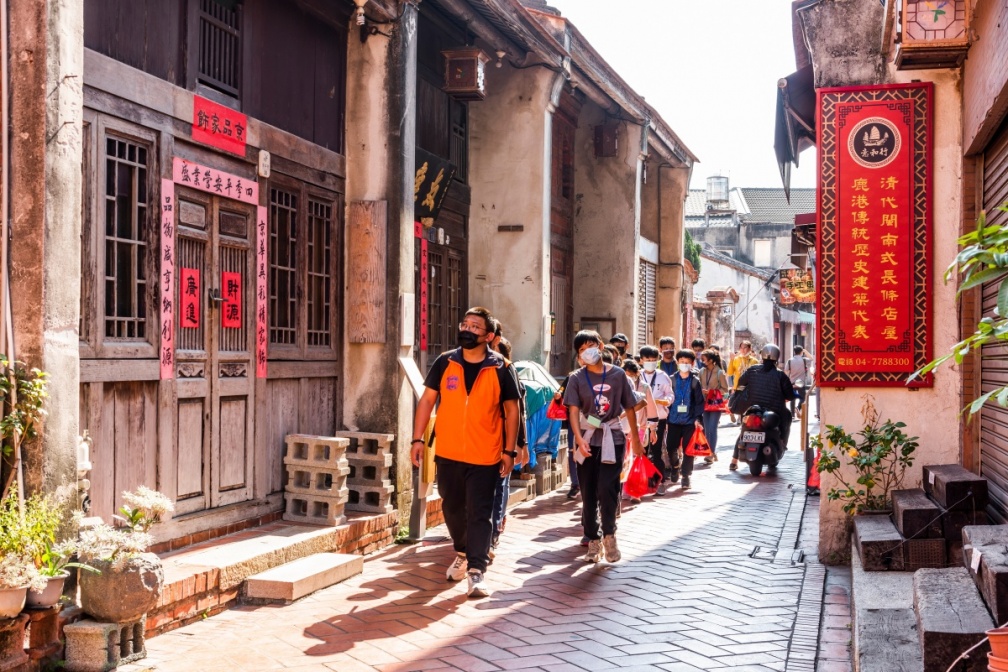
column 215, row 339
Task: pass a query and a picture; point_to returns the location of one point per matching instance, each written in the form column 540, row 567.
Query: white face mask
column 591, row 356
column 650, row 366
column 685, row 367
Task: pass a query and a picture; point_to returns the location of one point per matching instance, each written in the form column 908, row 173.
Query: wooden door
column 561, row 240
column 562, row 307
column 215, row 369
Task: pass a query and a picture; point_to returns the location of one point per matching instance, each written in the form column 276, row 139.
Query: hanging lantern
column 465, row 73
column 935, row 34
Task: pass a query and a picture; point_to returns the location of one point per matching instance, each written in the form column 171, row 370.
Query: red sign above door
column 219, row 126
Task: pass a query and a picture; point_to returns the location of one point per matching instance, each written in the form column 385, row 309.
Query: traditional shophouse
column 950, row 66
column 272, row 205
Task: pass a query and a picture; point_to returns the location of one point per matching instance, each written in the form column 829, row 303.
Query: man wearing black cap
column 620, row 342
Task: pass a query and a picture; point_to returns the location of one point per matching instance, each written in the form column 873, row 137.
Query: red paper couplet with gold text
column 231, row 308
column 874, row 228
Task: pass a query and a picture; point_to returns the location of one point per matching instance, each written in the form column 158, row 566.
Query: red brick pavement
column 686, row 596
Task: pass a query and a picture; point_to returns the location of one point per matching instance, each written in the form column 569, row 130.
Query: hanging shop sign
column 874, row 234
column 430, row 185
column 797, row 286
column 219, row 126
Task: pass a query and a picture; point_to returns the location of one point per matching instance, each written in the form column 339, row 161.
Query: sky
column 710, row 69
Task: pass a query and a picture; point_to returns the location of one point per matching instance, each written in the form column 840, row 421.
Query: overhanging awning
column 788, row 315
column 794, row 130
column 806, row 318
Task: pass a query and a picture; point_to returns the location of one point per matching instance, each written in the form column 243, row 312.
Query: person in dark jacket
column 769, row 387
column 685, row 416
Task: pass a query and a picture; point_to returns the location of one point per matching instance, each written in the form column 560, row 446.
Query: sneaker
column 573, row 492
column 672, row 480
column 635, row 500
column 612, row 553
column 662, row 489
column 685, row 483
column 594, row 553
column 457, row 570
column 585, row 540
column 477, row 586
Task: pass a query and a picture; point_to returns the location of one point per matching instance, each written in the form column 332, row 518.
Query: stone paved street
column 689, row 594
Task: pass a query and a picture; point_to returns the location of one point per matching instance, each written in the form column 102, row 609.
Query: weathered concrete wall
column 381, row 132
column 779, row 236
column 673, row 184
column 985, row 75
column 650, row 222
column 931, row 414
column 844, row 38
column 606, row 225
column 757, row 316
column 509, row 173
column 46, row 82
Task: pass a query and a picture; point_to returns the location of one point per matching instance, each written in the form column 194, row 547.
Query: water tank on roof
column 717, row 193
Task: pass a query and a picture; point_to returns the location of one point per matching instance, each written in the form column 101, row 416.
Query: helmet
column 771, row 352
column 619, row 338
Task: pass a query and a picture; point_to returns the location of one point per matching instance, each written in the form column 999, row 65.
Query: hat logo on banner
column 874, row 142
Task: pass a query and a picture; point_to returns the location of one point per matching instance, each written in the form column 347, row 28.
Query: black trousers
column 600, row 488
column 676, row 437
column 467, row 497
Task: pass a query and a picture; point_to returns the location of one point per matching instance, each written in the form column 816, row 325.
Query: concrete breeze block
column 92, row 646
column 317, row 451
column 370, row 498
column 316, row 509
column 308, row 480
column 367, row 443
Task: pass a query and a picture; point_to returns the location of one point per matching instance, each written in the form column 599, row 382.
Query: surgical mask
column 650, row 366
column 685, row 367
column 468, row 340
column 591, row 356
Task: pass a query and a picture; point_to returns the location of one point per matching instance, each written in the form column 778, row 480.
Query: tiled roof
column 770, row 205
column 713, row 221
column 696, row 202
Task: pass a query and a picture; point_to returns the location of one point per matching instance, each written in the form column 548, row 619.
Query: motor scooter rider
column 770, row 388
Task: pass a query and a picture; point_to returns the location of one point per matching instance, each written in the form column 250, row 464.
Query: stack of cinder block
column 93, row 646
column 545, row 481
column 370, row 483
column 926, row 528
column 317, row 472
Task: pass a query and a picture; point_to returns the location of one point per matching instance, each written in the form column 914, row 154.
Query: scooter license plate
column 753, row 437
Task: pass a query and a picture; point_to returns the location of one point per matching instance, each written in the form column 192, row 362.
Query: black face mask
column 468, row 340
column 621, row 350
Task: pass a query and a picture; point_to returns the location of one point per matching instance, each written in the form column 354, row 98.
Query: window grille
column 460, row 140
column 126, row 201
column 319, row 296
column 220, row 46
column 283, row 267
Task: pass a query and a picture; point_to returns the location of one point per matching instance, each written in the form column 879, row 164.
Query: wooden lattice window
column 220, row 46
column 319, row 295
column 459, row 146
column 283, row 267
column 126, row 201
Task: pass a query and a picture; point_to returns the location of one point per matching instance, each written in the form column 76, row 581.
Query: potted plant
column 17, row 575
column 880, row 458
column 128, row 581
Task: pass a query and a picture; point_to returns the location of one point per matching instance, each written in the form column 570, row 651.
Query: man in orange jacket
column 477, row 431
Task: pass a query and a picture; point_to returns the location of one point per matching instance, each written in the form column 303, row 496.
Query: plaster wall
column 673, row 184
column 380, row 164
column 650, row 223
column 779, row 236
column 509, row 159
column 985, row 75
column 931, row 413
column 757, row 316
column 721, row 238
column 606, row 226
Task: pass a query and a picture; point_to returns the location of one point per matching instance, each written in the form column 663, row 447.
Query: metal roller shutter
column 994, row 358
column 646, row 288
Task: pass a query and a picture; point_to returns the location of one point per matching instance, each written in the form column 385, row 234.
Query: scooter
column 759, row 442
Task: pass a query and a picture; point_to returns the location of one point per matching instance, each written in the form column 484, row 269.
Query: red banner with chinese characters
column 213, row 181
column 219, row 126
column 261, row 336
column 189, row 298
column 421, row 235
column 231, row 308
column 874, row 234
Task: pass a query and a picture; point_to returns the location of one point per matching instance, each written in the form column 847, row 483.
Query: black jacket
column 770, row 389
column 696, row 404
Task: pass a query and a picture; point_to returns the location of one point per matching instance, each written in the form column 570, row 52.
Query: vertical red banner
column 189, row 298
column 167, row 280
column 874, row 231
column 424, row 272
column 231, row 308
column 262, row 231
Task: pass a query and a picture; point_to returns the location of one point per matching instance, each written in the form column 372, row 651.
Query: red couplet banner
column 874, row 230
column 231, row 309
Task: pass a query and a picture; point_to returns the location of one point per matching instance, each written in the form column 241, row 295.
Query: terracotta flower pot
column 996, row 664
column 50, row 595
column 998, row 638
column 126, row 594
column 12, row 601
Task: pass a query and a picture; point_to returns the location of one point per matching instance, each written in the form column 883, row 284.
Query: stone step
column 953, row 486
column 915, row 515
column 301, row 577
column 878, row 543
column 951, row 617
column 884, row 631
column 990, row 572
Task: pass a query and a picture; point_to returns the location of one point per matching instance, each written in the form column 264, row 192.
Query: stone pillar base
column 43, row 632
column 92, row 646
column 12, row 654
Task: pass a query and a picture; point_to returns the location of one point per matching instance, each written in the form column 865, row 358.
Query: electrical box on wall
column 606, row 140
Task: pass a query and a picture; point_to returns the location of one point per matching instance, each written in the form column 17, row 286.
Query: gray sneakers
column 594, row 553
column 477, row 586
column 612, row 552
column 457, row 570
column 662, row 489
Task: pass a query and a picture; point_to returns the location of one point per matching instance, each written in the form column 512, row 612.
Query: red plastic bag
column 715, row 401
column 556, row 411
column 638, row 482
column 698, row 445
column 814, row 479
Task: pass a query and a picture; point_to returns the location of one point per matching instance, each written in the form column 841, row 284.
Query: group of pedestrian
column 650, row 404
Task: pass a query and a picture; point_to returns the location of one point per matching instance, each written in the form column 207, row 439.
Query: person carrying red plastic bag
column 640, row 480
